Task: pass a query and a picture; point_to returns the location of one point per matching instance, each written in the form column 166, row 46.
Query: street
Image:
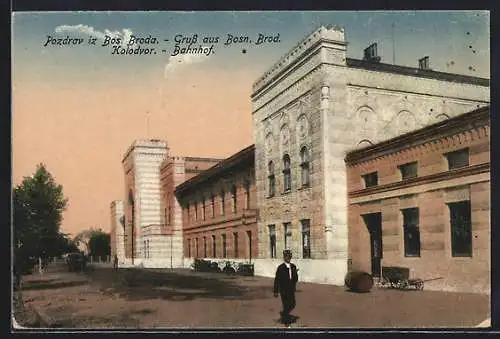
column 146, row 298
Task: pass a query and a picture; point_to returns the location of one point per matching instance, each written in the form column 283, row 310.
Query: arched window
column 203, row 209
column 247, row 194
column 271, row 179
column 233, row 197
column 287, row 182
column 212, row 202
column 304, row 165
column 222, row 202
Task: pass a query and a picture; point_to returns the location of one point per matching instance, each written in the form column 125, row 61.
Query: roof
column 244, row 156
column 416, row 72
column 467, row 120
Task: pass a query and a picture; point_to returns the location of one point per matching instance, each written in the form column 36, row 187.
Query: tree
column 99, row 244
column 38, row 204
column 83, row 238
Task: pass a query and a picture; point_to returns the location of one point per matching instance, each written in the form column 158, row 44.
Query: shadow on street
column 139, row 284
column 50, row 284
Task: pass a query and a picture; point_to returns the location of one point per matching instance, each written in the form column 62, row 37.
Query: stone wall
column 342, row 108
column 142, row 169
column 117, row 231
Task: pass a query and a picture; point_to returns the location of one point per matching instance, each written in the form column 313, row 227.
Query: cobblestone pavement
column 141, row 298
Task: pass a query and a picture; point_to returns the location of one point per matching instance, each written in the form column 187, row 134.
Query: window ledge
column 286, row 192
column 303, row 188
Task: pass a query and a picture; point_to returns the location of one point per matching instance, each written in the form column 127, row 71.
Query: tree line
column 38, row 206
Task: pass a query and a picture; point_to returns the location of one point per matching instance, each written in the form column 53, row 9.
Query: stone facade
column 117, row 231
column 141, row 165
column 318, row 98
column 210, row 211
column 431, row 191
column 152, row 216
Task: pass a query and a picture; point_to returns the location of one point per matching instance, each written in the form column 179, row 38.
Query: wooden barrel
column 358, row 281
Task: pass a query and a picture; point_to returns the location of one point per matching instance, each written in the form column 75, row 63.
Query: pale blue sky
column 444, row 36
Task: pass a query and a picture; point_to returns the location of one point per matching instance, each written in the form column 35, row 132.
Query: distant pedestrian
column 285, row 283
column 115, row 263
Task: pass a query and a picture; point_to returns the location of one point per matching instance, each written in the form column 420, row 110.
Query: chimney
column 370, row 53
column 424, row 63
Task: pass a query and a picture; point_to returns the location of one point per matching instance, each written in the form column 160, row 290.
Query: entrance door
column 374, row 225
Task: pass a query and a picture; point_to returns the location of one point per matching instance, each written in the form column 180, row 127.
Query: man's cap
column 287, row 252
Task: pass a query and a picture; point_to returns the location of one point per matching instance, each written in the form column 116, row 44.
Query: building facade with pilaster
column 309, row 110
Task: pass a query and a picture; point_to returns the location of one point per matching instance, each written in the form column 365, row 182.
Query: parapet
column 329, row 33
column 146, row 143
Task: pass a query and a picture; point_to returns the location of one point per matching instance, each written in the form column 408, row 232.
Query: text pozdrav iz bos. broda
column 143, row 45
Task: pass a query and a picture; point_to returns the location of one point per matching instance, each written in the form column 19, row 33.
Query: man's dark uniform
column 285, row 283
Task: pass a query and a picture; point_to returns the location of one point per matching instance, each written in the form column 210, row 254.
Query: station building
column 312, row 108
column 422, row 201
column 312, row 111
column 219, row 211
column 149, row 219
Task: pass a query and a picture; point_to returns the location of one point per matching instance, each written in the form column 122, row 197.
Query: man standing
column 285, row 282
column 115, row 262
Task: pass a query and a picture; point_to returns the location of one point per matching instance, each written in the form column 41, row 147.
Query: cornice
column 300, row 50
column 451, row 174
column 436, row 137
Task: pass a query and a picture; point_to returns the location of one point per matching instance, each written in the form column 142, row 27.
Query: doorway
column 373, row 223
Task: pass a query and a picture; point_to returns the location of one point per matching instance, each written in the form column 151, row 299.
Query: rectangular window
column 408, row 171
column 196, row 247
column 224, row 246
column 458, row 159
column 214, row 247
column 306, row 239
column 288, row 235
column 272, row 241
column 461, row 232
column 233, row 199
column 189, row 248
column 235, row 244
column 411, row 232
column 213, row 207
column 203, row 210
column 247, row 196
column 249, row 244
column 222, row 202
column 272, row 185
column 370, row 179
column 196, row 211
column 204, row 247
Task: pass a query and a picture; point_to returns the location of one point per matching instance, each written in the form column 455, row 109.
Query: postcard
column 252, row 170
